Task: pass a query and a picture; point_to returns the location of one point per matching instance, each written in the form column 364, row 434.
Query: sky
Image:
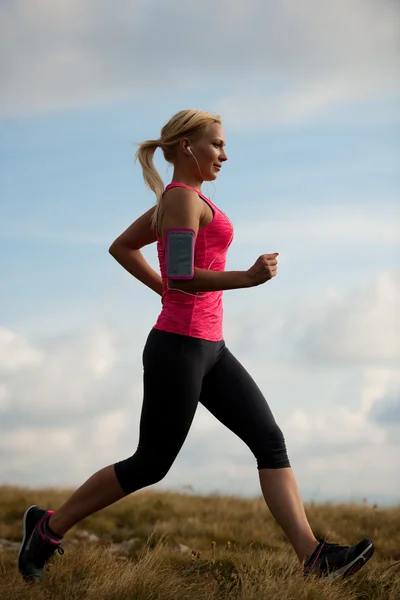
column 309, row 96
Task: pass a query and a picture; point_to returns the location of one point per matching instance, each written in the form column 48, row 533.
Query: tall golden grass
column 171, row 546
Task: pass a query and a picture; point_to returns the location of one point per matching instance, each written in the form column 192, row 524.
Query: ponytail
column 152, row 179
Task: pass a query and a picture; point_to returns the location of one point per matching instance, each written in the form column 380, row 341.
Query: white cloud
column 328, row 225
column 380, row 383
column 78, row 377
column 335, row 53
column 362, row 327
column 280, row 62
column 17, row 352
column 3, row 396
column 382, row 401
column 344, row 448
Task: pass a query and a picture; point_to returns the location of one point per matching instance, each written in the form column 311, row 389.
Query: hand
column 263, row 269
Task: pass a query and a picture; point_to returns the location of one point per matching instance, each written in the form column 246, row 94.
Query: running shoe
column 37, row 545
column 336, row 561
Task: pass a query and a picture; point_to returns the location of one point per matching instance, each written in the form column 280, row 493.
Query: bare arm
column 211, row 281
column 183, row 209
column 126, row 250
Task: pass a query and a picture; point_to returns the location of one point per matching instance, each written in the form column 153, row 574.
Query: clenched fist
column 265, row 267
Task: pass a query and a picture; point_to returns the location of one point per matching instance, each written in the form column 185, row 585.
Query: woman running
column 185, row 358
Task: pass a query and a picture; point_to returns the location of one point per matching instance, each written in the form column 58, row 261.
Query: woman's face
column 209, row 151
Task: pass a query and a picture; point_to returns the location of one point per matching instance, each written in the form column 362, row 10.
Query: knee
column 137, row 472
column 273, row 453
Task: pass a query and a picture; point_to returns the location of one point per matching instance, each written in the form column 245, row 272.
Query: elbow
column 119, row 246
column 112, row 249
column 115, row 248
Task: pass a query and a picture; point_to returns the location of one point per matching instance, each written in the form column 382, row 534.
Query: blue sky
column 312, row 126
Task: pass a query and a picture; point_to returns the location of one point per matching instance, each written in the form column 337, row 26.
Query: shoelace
column 333, row 547
column 46, row 551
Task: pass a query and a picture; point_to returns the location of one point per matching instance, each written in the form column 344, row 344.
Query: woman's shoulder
column 178, row 200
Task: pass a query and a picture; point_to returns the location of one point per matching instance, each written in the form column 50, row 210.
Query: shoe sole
column 355, row 564
column 24, row 536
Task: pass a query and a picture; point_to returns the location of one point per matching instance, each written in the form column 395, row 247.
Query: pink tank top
column 199, row 315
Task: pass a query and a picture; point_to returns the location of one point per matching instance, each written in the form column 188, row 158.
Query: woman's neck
column 190, row 180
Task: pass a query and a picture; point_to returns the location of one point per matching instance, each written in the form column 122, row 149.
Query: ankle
column 307, row 550
column 53, row 527
column 311, row 547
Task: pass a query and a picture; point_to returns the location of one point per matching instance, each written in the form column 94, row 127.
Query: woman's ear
column 184, row 145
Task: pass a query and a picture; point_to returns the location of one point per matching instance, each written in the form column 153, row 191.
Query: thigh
column 172, row 382
column 233, row 397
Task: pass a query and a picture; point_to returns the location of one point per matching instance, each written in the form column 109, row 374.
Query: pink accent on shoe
column 44, row 537
column 316, row 558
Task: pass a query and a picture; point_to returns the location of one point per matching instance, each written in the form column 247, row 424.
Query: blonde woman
column 185, row 358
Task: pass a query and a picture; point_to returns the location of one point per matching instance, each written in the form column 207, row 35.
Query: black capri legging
column 179, row 372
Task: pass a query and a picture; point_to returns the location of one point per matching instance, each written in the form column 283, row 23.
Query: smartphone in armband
column 179, row 255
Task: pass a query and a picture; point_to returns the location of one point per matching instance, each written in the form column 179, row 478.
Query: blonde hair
column 186, row 123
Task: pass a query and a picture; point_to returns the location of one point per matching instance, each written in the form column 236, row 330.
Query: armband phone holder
column 179, row 255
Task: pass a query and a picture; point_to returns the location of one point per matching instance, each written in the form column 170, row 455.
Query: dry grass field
column 171, row 546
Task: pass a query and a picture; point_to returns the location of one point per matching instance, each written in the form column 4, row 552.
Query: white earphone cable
column 200, row 295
